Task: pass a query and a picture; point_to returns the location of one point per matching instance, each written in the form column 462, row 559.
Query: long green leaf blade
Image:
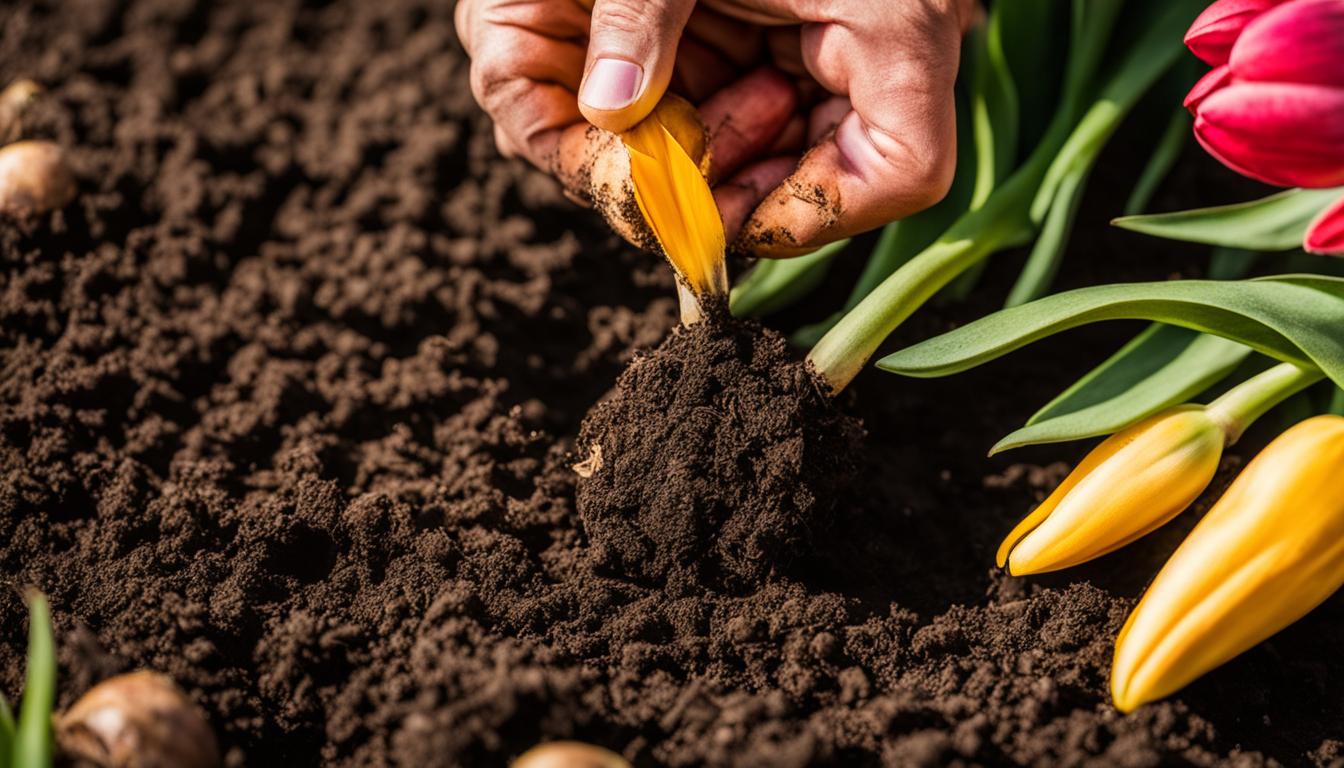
column 1274, row 223
column 32, row 735
column 1047, row 254
column 1162, row 367
column 6, row 733
column 1294, row 318
column 1165, row 154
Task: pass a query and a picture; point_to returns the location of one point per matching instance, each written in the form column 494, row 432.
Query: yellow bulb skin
column 1268, row 552
column 1131, row 484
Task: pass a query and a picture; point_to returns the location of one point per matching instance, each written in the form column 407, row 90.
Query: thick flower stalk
column 1268, row 552
column 1142, row 477
column 1273, row 106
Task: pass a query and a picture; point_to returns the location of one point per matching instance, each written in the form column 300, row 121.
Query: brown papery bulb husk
column 570, row 754
column 137, row 720
column 16, row 98
column 34, row 178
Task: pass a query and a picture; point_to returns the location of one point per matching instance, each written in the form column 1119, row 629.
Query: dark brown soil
column 288, row 400
column 716, row 460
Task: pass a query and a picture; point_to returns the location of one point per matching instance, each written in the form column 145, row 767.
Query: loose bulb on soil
column 34, row 178
column 570, row 754
column 138, row 720
column 715, row 460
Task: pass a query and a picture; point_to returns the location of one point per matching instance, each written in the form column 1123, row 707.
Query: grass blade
column 6, row 733
column 32, row 736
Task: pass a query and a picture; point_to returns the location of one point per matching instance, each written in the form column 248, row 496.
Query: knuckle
column 626, row 16
column 932, row 176
column 528, row 14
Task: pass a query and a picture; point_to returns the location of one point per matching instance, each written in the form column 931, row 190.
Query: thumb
column 632, row 46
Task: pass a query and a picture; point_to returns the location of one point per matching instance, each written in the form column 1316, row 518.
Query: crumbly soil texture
column 292, row 394
column 715, row 461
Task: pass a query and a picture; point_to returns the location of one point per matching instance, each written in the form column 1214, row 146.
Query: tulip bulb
column 570, row 754
column 139, row 720
column 649, row 183
column 34, row 178
column 1131, row 484
column 1270, row 550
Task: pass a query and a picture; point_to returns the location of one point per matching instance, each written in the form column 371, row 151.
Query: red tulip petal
column 1326, row 233
column 1298, row 42
column 1281, row 133
column 1215, row 30
column 1210, row 82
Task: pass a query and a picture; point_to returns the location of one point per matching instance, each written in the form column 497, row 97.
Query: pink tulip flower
column 1273, row 107
column 1213, row 32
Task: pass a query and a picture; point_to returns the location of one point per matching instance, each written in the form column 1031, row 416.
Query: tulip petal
column 1281, row 133
column 1270, row 550
column 1326, row 233
column 1214, row 31
column 1133, row 483
column 1211, row 81
column 1298, row 42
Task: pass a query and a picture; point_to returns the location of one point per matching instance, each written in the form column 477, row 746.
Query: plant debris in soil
column 717, row 458
column 288, row 399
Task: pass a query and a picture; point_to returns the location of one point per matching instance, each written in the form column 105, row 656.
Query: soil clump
column 717, row 459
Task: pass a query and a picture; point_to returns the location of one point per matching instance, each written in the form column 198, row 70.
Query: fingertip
column 738, row 197
column 610, row 94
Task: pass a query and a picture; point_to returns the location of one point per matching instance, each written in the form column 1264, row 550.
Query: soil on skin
column 716, row 460
column 288, row 402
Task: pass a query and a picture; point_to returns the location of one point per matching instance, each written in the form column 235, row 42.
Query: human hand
column 825, row 119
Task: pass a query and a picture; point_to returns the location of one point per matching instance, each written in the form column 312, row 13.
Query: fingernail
column 856, row 146
column 611, row 84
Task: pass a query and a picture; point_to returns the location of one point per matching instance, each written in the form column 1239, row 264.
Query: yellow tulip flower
column 1134, row 482
column 1268, row 552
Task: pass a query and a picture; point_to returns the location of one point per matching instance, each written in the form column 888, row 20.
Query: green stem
column 844, row 350
column 1240, row 406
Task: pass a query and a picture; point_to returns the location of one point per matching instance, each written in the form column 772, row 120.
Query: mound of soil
column 716, row 460
column 288, row 406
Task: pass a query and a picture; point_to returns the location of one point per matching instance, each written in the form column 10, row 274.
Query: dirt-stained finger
column 745, row 118
column 700, row 71
column 738, row 196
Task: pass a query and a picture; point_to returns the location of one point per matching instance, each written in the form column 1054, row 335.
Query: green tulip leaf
column 1291, row 318
column 1048, row 253
column 1168, row 150
column 1164, row 366
column 32, row 735
column 1274, row 223
column 6, row 733
column 773, row 284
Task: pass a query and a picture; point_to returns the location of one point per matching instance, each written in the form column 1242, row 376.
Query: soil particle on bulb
column 721, row 455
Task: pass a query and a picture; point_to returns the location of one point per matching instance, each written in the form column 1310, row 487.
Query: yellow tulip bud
column 1268, row 552
column 1134, row 482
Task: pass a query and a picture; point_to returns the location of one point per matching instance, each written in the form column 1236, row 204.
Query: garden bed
column 289, row 402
